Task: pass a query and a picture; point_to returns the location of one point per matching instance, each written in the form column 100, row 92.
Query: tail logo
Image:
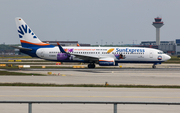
column 24, row 30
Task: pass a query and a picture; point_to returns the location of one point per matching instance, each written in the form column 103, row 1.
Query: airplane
column 104, row 56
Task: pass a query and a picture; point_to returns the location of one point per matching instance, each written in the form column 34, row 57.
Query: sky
column 91, row 21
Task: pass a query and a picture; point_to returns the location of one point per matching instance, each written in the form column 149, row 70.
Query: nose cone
column 166, row 57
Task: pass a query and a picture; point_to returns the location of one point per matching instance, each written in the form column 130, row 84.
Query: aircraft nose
column 167, row 57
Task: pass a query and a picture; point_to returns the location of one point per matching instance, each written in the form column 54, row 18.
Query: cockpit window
column 160, row 52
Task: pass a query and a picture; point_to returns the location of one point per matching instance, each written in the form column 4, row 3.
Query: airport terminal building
column 169, row 47
column 177, row 46
column 66, row 43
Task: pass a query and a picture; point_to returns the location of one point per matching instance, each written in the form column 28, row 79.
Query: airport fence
column 86, row 102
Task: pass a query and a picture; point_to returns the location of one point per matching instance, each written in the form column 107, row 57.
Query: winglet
column 60, row 48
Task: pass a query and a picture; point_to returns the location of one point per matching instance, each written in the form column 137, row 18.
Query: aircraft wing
column 84, row 57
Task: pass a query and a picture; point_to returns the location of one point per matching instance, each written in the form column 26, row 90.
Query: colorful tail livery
column 27, row 37
column 103, row 56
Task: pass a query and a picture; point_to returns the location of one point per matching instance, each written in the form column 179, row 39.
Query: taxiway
column 140, row 76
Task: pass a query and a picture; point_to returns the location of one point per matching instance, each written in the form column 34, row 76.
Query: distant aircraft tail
column 78, row 45
column 27, row 37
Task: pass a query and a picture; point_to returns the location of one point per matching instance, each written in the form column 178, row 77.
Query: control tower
column 158, row 24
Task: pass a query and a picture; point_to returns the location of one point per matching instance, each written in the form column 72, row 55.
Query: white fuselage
column 131, row 54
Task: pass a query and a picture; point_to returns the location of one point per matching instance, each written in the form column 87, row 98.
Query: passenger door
column 150, row 54
column 42, row 53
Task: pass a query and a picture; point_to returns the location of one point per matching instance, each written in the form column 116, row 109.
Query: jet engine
column 107, row 62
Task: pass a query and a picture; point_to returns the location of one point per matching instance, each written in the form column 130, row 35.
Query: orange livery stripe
column 40, row 44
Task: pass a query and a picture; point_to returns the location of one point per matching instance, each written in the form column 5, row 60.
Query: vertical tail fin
column 27, row 36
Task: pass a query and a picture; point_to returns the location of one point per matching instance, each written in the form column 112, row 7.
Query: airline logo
column 68, row 50
column 110, row 50
column 159, row 58
column 130, row 50
column 23, row 29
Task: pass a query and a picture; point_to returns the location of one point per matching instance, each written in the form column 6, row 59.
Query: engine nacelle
column 107, row 62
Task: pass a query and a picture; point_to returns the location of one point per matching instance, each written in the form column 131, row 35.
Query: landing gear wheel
column 154, row 66
column 91, row 65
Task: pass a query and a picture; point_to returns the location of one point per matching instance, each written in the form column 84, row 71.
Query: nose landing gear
column 154, row 66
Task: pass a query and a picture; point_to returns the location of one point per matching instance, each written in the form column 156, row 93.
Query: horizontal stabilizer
column 22, row 48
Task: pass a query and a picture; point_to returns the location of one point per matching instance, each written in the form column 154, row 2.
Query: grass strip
column 19, row 74
column 89, row 85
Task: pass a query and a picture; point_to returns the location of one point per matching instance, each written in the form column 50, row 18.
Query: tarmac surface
column 138, row 76
column 166, row 75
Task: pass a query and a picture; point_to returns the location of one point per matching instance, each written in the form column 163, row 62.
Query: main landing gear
column 91, row 65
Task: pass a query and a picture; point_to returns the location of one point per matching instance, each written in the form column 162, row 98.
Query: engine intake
column 107, row 62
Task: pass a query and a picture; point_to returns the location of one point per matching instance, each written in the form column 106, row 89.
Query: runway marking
column 85, row 96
